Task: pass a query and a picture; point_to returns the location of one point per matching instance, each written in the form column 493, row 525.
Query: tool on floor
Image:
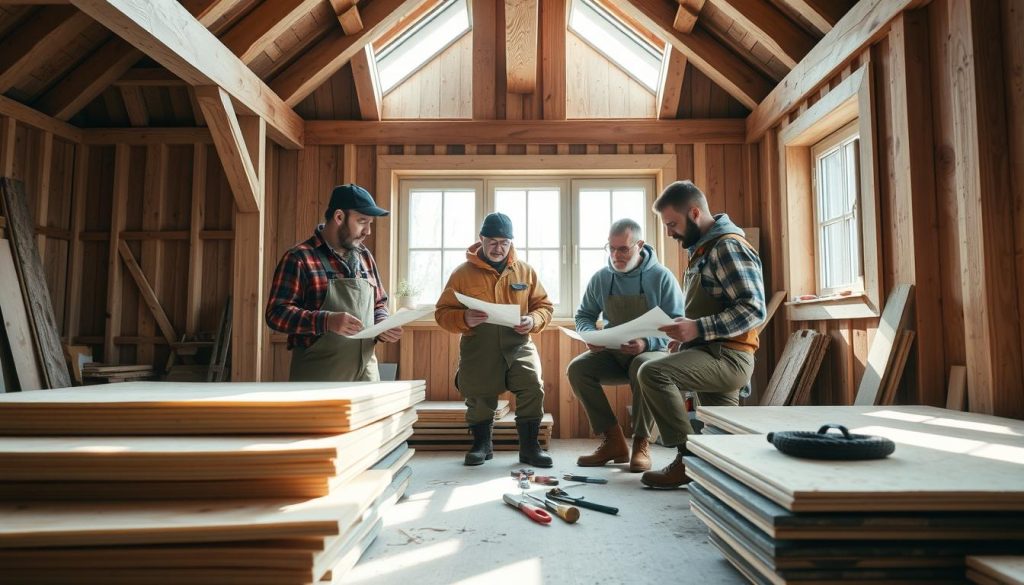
column 532, row 512
column 538, row 479
column 559, row 495
column 568, row 513
column 523, row 475
column 583, row 478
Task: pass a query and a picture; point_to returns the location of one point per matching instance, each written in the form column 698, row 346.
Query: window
column 434, row 33
column 602, row 31
column 837, row 226
column 561, row 226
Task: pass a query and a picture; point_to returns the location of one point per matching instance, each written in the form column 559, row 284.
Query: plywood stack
column 187, row 484
column 954, row 487
column 94, row 372
column 441, row 426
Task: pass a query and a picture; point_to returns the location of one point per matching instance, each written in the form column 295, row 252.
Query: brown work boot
column 672, row 476
column 612, row 448
column 640, row 460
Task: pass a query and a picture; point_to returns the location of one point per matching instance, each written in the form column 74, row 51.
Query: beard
column 633, row 263
column 690, row 237
column 345, row 238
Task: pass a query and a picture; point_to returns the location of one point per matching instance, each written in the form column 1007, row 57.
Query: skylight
column 615, row 41
column 422, row 42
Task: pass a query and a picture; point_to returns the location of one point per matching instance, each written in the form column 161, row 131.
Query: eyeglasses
column 503, row 244
column 621, row 250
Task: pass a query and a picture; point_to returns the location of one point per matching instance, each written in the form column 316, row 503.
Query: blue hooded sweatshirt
column 659, row 286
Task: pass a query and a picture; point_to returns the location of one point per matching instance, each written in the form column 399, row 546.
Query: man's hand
column 343, row 324
column 474, row 317
column 634, row 347
column 525, row 325
column 595, row 348
column 391, row 335
column 684, row 330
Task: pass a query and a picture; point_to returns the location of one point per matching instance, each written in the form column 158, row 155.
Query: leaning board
column 911, row 479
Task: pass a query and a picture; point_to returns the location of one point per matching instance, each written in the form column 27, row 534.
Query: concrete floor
column 452, row 527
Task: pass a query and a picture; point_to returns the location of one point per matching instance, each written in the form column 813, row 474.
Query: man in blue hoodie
column 633, row 283
column 724, row 298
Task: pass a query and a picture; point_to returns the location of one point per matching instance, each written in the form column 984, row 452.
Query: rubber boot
column 483, row 448
column 613, row 447
column 530, row 452
column 640, row 460
column 671, row 476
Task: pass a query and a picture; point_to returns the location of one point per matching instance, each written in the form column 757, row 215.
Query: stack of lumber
column 191, row 484
column 953, row 487
column 441, row 426
column 797, row 368
column 95, row 372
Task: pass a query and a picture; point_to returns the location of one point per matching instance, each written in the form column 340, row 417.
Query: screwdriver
column 568, row 513
column 532, row 512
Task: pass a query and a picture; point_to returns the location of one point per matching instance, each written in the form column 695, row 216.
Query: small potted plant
column 406, row 294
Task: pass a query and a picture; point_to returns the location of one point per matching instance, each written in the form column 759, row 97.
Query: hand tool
column 538, row 479
column 532, row 512
column 560, row 496
column 568, row 513
column 583, row 478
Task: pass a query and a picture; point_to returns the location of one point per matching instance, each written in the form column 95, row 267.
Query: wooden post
column 152, row 250
column 247, row 330
column 43, row 191
column 8, row 136
column 195, row 242
column 553, row 14
column 79, row 196
column 122, row 156
column 485, row 55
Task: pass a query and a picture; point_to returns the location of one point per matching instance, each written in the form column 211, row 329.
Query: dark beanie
column 496, row 225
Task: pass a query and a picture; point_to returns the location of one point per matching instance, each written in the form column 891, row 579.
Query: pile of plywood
column 441, row 426
column 953, row 487
column 223, row 500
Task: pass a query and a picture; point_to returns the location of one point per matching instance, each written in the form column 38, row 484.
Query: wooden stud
column 848, row 38
column 521, row 21
column 42, row 214
column 349, row 169
column 122, row 162
column 8, row 141
column 364, row 73
column 79, row 195
column 49, row 30
column 1013, row 66
column 687, row 15
column 231, row 147
column 485, row 53
column 552, row 30
column 721, row 65
column 670, row 90
column 152, row 250
column 177, row 41
column 135, row 106
column 247, row 329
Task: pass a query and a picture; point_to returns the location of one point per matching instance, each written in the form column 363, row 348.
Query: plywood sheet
column 911, row 479
column 15, row 322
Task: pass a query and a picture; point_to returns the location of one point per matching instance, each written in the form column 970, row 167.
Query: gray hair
column 624, row 225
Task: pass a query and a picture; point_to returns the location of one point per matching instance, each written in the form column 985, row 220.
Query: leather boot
column 640, row 460
column 530, row 452
column 672, row 476
column 613, row 447
column 482, row 448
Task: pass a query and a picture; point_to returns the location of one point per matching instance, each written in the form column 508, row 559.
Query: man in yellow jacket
column 494, row 358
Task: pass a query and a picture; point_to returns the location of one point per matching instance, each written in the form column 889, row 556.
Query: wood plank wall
column 922, row 68
column 729, row 172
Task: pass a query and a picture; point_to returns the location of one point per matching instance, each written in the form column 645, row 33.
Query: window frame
column 609, row 22
column 397, row 45
column 835, row 141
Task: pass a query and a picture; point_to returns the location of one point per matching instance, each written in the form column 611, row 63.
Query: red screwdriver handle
column 536, row 514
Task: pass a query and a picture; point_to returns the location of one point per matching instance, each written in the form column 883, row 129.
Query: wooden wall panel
column 440, row 89
column 597, row 88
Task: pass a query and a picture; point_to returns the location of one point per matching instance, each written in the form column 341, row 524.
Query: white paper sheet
column 397, row 320
column 507, row 315
column 645, row 325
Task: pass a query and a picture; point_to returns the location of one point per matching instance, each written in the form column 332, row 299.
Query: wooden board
column 174, row 408
column 911, row 479
column 15, row 321
column 1001, row 569
column 452, row 411
column 800, row 361
column 956, row 397
column 894, row 319
column 21, row 231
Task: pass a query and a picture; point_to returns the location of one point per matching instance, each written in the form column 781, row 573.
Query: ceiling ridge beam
column 234, row 153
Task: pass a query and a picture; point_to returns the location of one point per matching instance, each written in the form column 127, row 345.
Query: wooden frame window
column 836, row 186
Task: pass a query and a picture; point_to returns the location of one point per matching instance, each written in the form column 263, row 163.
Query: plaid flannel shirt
column 732, row 272
column 300, row 287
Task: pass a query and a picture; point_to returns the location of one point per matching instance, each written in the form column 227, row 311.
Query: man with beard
column 494, row 358
column 633, row 283
column 723, row 292
column 327, row 288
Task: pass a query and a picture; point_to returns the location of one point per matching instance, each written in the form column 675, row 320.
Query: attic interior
column 164, row 155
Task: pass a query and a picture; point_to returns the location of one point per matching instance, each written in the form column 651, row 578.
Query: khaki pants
column 522, row 378
column 590, row 370
column 714, row 373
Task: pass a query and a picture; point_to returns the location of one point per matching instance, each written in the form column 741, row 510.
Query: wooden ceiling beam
column 721, row 65
column 328, row 56
column 108, row 63
column 364, row 72
column 866, row 22
column 47, row 31
column 265, row 24
column 633, row 131
column 687, row 15
column 521, row 25
column 670, row 90
column 150, row 77
column 176, row 40
column 22, row 113
column 135, row 105
column 780, row 35
column 231, row 147
column 350, row 21
column 822, row 14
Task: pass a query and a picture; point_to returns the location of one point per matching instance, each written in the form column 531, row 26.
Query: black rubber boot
column 530, row 452
column 482, row 448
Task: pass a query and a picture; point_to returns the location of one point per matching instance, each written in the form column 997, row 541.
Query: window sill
column 855, row 306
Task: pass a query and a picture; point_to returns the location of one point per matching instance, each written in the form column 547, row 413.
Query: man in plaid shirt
column 328, row 288
column 723, row 300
